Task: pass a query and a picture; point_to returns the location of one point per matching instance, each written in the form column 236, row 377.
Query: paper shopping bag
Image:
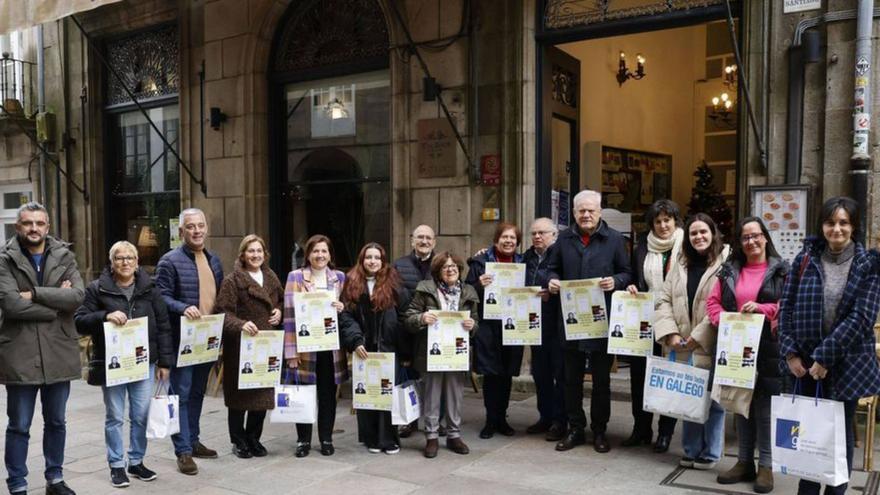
column 677, row 390
column 406, row 406
column 295, row 404
column 164, row 417
column 809, row 438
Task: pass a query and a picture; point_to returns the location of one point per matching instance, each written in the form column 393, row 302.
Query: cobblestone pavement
column 522, row 464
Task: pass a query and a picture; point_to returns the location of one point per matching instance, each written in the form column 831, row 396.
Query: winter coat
column 425, row 299
column 492, row 357
column 768, row 379
column 606, row 256
column 300, row 280
column 673, row 316
column 38, row 339
column 244, row 300
column 178, row 278
column 410, row 275
column 537, row 275
column 848, row 351
column 104, row 297
column 377, row 331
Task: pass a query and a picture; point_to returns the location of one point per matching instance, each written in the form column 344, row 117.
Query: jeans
column 189, row 383
column 21, row 401
column 849, row 410
column 548, row 370
column 600, row 402
column 755, row 429
column 705, row 441
column 139, row 394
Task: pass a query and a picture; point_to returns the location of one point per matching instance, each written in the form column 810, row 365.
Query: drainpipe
column 860, row 161
column 41, row 105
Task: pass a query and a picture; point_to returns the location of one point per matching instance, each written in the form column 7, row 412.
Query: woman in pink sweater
column 751, row 282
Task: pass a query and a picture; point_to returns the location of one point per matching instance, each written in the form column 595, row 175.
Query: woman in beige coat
column 681, row 325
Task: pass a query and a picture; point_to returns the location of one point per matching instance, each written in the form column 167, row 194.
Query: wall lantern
column 624, row 74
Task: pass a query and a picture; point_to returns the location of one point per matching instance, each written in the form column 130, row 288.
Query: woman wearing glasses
column 751, row 282
column 443, row 292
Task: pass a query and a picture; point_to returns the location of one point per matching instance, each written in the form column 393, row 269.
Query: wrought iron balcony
column 17, row 84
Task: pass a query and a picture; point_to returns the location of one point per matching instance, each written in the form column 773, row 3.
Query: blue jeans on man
column 20, row 405
column 139, row 394
column 189, row 383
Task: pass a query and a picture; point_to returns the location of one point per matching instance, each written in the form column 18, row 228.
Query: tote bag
column 809, row 437
column 677, row 390
column 295, row 403
column 164, row 416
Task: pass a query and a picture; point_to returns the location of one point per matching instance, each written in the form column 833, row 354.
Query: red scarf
column 503, row 259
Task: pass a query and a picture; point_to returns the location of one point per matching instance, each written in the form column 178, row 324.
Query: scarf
column 653, row 269
column 451, row 294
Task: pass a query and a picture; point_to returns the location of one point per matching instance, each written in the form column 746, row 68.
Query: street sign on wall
column 791, row 6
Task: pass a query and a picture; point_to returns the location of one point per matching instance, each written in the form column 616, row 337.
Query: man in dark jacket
column 547, row 359
column 413, row 268
column 189, row 278
column 589, row 249
column 40, row 288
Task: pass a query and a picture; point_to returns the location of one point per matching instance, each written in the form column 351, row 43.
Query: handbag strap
column 158, row 389
column 690, row 358
column 797, row 389
column 818, row 391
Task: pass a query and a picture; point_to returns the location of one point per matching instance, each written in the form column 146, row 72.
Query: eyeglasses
column 751, row 237
column 124, row 259
column 450, row 268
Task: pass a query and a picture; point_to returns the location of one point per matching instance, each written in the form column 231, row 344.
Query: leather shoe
column 636, row 439
column 203, row 452
column 431, row 447
column 303, row 449
column 457, row 445
column 555, row 433
column 241, row 451
column 572, row 439
column 59, row 488
column 539, row 427
column 257, row 449
column 487, row 432
column 186, row 465
column 327, row 448
column 405, row 431
column 662, row 444
column 600, row 443
column 505, row 429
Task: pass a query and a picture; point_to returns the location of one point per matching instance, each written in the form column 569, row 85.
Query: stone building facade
column 487, row 56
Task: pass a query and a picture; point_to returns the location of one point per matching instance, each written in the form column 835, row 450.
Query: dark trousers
column 326, row 391
column 643, row 420
column 245, row 430
column 496, row 397
column 375, row 429
column 600, row 403
column 548, row 371
column 21, row 402
column 808, row 388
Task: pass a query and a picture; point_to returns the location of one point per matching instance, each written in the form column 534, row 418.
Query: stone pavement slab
column 522, row 464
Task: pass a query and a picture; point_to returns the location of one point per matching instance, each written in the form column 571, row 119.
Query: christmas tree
column 706, row 198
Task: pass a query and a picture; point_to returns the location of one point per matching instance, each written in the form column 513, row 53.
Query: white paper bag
column 677, row 390
column 295, row 404
column 406, row 406
column 164, row 418
column 809, row 438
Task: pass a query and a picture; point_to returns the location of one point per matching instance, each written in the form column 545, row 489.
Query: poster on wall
column 784, row 211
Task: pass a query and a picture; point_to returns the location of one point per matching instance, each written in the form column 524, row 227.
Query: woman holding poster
column 374, row 301
column 826, row 318
column 326, row 369
column 496, row 362
column 654, row 254
column 751, row 282
column 124, row 292
column 682, row 326
column 252, row 298
column 445, row 291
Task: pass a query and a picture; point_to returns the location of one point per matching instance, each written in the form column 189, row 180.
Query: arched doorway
column 330, row 129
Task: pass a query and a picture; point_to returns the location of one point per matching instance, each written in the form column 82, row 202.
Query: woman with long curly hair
column 374, row 298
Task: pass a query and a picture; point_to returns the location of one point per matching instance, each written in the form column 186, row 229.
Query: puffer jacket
column 178, row 278
column 38, row 339
column 672, row 315
column 104, row 297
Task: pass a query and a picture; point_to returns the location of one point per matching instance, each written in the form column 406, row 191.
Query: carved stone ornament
column 332, row 32
column 148, row 63
column 559, row 14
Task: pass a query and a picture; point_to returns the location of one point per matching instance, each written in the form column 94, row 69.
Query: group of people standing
column 819, row 319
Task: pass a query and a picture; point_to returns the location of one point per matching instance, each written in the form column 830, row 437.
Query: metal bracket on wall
column 48, row 155
column 115, row 74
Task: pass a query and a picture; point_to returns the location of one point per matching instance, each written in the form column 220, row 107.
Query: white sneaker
column 392, row 450
column 374, row 450
column 704, row 464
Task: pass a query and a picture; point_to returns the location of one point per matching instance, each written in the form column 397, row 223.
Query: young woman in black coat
column 374, row 301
